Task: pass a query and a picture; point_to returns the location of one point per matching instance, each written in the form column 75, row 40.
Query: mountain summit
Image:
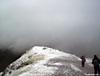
column 44, row 61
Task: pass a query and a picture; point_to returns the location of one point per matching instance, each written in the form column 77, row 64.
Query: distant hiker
column 83, row 61
column 96, row 64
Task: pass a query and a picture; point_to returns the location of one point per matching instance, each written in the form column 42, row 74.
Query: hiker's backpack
column 83, row 60
column 96, row 62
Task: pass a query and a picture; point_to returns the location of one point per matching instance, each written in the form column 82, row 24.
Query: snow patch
column 58, row 64
column 89, row 62
column 75, row 68
column 1, row 73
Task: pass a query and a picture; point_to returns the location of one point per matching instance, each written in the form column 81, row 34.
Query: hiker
column 96, row 65
column 83, row 61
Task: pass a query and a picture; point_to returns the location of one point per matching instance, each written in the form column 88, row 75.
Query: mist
column 72, row 26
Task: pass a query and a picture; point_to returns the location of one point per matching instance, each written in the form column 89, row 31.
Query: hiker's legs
column 95, row 71
column 98, row 70
column 82, row 64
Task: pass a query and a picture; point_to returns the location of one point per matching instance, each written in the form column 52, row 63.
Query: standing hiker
column 96, row 64
column 83, row 61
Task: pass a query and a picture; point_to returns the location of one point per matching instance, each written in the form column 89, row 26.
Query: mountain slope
column 44, row 61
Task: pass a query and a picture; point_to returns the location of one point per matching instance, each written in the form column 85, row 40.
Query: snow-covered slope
column 44, row 61
column 1, row 73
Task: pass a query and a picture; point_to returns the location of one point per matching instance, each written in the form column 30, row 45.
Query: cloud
column 62, row 24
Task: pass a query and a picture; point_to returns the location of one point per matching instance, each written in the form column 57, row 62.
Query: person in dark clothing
column 96, row 63
column 83, row 61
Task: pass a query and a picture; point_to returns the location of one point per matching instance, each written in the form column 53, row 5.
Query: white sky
column 57, row 23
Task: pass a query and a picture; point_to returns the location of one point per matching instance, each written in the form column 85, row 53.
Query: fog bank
column 69, row 25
